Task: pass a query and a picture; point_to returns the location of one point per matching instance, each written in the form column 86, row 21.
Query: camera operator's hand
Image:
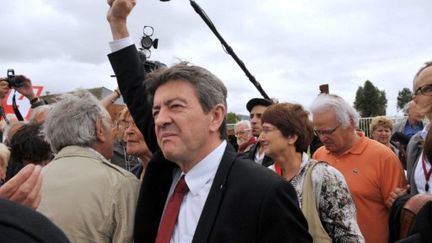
column 4, row 88
column 26, row 88
column 117, row 17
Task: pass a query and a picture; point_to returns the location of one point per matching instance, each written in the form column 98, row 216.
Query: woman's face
column 382, row 134
column 135, row 144
column 423, row 91
column 272, row 140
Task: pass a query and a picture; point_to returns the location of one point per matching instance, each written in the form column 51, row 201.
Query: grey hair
column 38, row 111
column 72, row 120
column 407, row 107
column 210, row 89
column 345, row 113
column 244, row 122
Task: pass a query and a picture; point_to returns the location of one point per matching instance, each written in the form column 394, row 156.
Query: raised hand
column 117, row 17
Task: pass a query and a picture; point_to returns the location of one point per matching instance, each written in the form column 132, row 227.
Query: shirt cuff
column 117, row 45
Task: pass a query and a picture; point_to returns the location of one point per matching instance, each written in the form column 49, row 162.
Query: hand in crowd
column 25, row 187
column 119, row 9
column 117, row 16
column 397, row 192
column 25, row 89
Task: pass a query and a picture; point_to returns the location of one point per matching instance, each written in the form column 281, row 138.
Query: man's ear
column 352, row 123
column 217, row 117
column 100, row 135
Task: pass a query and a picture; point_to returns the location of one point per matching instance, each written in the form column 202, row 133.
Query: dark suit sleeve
column 130, row 74
column 281, row 218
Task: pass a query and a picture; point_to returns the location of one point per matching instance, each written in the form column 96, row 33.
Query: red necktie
column 172, row 209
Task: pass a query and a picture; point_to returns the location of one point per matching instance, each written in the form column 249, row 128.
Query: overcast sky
column 290, row 46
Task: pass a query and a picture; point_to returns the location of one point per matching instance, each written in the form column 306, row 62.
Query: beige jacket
column 89, row 198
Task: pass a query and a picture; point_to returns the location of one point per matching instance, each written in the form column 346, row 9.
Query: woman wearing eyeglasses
column 322, row 191
column 135, row 144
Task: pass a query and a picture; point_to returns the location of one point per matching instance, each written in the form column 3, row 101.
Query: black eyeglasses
column 424, row 90
column 326, row 132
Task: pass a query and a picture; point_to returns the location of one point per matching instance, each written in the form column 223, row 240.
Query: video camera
column 147, row 42
column 13, row 80
column 150, row 65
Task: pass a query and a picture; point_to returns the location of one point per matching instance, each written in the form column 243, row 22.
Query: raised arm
column 110, row 99
column 129, row 70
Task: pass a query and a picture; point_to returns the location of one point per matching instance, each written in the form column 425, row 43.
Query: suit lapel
column 215, row 197
column 153, row 195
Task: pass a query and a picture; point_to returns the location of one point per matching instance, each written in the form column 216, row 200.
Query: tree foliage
column 404, row 96
column 370, row 101
column 232, row 118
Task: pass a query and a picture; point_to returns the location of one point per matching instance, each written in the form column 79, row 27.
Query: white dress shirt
column 199, row 180
column 117, row 45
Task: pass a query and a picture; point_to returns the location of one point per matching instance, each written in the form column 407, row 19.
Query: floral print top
column 335, row 206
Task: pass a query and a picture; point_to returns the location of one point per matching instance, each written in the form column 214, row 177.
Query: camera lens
column 146, row 42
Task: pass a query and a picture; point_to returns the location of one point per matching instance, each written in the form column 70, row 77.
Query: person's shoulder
column 401, row 122
column 321, row 151
column 416, row 138
column 376, row 147
column 22, row 224
column 118, row 171
column 323, row 170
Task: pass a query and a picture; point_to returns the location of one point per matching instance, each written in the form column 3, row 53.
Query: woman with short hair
column 381, row 129
column 322, row 191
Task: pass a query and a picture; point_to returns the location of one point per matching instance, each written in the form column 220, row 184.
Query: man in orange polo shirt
column 371, row 169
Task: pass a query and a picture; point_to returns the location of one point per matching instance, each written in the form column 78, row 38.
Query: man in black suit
column 181, row 113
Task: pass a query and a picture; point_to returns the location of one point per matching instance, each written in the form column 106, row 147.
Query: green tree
column 370, row 101
column 404, row 96
column 232, row 118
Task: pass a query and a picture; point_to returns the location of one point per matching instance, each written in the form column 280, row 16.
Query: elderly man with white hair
column 244, row 136
column 89, row 198
column 370, row 168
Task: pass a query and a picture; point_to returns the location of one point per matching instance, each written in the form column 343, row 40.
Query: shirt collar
column 205, row 170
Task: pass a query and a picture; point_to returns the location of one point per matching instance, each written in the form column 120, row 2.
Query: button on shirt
column 199, row 180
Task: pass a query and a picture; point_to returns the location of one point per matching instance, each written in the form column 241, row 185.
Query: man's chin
column 169, row 154
column 330, row 147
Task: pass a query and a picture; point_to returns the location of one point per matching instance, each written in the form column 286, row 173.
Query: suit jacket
column 246, row 202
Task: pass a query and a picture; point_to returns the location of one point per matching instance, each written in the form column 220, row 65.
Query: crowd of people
column 162, row 170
